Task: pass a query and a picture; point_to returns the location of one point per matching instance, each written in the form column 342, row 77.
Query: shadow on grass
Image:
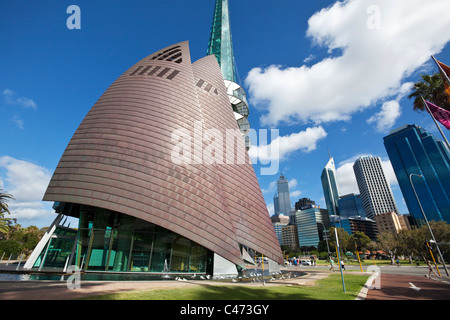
column 329, row 288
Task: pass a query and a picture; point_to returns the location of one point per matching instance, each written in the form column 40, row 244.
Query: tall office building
column 310, row 225
column 350, row 205
column 414, row 151
column 376, row 193
column 282, row 199
column 221, row 46
column 330, row 188
column 276, row 205
column 279, row 221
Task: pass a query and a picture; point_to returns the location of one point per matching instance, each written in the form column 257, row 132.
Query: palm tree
column 431, row 89
column 4, row 198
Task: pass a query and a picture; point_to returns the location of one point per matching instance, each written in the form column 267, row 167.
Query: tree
column 345, row 242
column 431, row 88
column 4, row 222
column 388, row 242
column 361, row 240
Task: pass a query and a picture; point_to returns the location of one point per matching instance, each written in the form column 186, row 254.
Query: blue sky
column 330, row 76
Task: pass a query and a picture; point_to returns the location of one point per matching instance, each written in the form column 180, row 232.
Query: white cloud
column 309, row 58
column 27, row 183
column 385, row 119
column 284, row 145
column 292, row 183
column 295, row 193
column 12, row 98
column 390, row 111
column 272, row 187
column 271, row 209
column 366, row 65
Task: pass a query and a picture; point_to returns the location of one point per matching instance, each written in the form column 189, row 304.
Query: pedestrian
column 430, row 270
column 331, row 264
column 342, row 265
column 398, row 262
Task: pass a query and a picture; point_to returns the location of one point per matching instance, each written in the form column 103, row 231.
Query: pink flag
column 441, row 115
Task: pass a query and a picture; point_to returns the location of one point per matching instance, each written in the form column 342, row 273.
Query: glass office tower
column 351, row 205
column 283, row 196
column 310, row 225
column 414, row 151
column 330, row 188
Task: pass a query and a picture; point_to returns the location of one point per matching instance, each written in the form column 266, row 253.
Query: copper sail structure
column 149, row 195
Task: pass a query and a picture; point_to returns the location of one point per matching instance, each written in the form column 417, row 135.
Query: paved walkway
column 402, row 287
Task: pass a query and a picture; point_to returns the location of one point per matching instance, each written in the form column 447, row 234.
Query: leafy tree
column 10, row 247
column 4, row 222
column 361, row 240
column 345, row 242
column 388, row 242
column 431, row 88
column 410, row 243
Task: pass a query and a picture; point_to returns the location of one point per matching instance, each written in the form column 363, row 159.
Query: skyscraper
column 282, row 196
column 413, row 151
column 350, row 205
column 330, row 188
column 221, row 46
column 376, row 193
column 310, row 224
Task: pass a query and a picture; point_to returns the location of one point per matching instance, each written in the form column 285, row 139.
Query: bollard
column 20, row 261
column 9, row 259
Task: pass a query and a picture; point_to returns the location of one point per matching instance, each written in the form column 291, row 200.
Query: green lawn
column 329, row 288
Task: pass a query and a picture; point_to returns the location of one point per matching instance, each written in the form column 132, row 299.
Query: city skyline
column 328, row 75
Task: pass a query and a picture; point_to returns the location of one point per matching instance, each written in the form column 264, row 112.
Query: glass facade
column 351, row 205
column 220, row 42
column 58, row 249
column 310, row 225
column 330, row 188
column 412, row 150
column 221, row 46
column 111, row 241
column 283, row 197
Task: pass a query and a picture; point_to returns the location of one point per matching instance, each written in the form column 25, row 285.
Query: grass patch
column 329, row 288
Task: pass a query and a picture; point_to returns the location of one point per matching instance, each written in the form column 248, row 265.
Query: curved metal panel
column 120, row 157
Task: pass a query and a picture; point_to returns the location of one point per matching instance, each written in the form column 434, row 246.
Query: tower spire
column 221, row 45
column 220, row 42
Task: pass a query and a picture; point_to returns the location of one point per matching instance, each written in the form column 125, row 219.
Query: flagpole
column 440, row 130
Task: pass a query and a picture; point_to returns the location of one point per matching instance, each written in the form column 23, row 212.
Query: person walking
column 331, row 264
column 343, row 265
column 430, row 270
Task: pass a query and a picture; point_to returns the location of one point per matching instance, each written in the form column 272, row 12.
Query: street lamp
column 426, row 220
